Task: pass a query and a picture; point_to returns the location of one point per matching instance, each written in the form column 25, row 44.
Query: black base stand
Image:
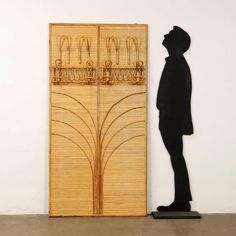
column 176, row 215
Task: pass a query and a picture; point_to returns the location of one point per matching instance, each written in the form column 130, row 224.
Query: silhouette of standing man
column 173, row 103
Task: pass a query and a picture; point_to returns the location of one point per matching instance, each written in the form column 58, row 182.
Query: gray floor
column 41, row 225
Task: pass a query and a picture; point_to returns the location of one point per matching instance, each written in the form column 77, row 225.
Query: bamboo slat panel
column 98, row 120
column 124, row 150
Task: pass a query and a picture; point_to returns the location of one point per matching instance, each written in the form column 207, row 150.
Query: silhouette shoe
column 176, row 206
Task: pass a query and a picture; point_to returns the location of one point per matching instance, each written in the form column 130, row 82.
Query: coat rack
column 98, row 137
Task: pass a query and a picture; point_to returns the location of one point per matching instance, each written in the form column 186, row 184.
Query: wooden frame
column 109, row 85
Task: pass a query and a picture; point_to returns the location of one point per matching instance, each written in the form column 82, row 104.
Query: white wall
column 210, row 152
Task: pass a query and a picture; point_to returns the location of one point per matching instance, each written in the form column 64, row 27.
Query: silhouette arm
column 172, row 87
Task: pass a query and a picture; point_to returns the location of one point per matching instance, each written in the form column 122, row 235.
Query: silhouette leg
column 182, row 187
column 174, row 145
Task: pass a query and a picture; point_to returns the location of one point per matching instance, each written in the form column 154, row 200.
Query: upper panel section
column 74, row 45
column 123, row 45
column 105, row 54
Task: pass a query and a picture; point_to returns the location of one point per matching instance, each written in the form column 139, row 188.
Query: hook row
column 65, row 42
column 88, row 75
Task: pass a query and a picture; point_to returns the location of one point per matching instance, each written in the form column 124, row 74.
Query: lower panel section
column 98, row 151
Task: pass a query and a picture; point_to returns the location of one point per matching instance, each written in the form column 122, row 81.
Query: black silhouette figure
column 173, row 102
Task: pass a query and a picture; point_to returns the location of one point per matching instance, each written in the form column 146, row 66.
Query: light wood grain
column 98, row 132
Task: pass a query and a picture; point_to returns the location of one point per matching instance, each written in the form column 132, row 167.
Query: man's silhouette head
column 177, row 41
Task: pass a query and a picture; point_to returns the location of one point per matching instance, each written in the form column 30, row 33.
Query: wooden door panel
column 98, row 81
